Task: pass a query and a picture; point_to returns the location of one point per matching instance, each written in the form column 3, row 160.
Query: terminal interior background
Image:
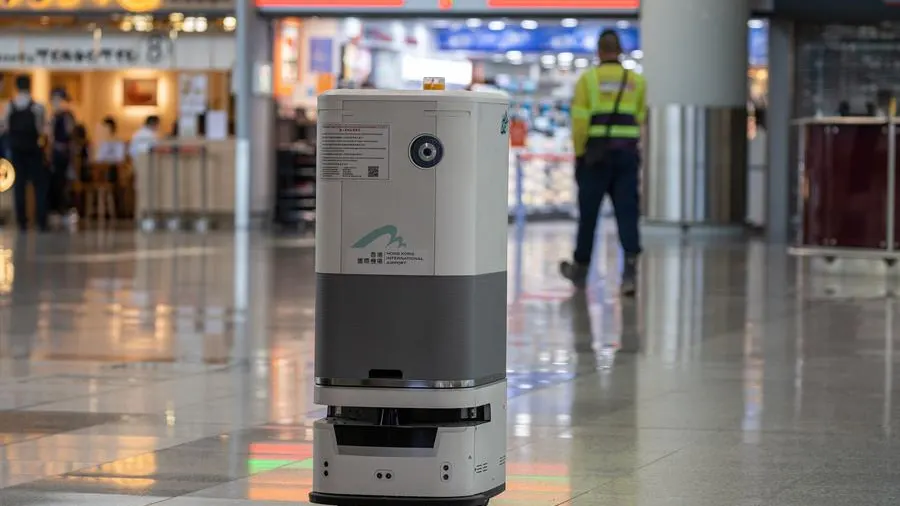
column 176, row 368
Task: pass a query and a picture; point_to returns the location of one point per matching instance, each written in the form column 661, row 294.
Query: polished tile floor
column 176, row 370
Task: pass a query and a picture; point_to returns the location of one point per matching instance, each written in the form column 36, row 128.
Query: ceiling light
column 529, row 24
column 496, row 26
column 581, row 63
column 473, row 22
column 202, row 24
column 229, row 23
column 637, row 54
column 175, row 17
column 565, row 58
column 514, row 56
column 623, row 25
column 569, row 22
column 548, row 59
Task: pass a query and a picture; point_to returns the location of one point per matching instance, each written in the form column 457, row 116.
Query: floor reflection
column 177, row 369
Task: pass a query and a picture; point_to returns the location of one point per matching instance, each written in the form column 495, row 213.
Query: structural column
column 254, row 117
column 695, row 153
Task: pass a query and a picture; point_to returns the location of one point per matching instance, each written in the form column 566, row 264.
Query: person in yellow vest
column 608, row 111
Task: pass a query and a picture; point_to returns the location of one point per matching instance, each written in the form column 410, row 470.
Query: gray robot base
column 481, row 499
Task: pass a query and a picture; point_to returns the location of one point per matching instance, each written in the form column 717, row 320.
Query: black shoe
column 574, row 272
column 630, row 277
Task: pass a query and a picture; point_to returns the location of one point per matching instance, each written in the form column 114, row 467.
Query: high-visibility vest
column 601, row 85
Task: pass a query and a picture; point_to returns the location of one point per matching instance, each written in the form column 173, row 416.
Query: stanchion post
column 202, row 222
column 891, row 175
column 148, row 220
column 174, row 222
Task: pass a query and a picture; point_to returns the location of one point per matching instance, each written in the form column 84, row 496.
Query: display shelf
column 296, row 186
column 546, row 182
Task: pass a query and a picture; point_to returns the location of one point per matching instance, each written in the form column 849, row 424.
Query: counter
column 170, row 179
column 847, row 187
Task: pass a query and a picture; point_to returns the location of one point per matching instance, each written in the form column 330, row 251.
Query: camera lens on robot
column 426, row 151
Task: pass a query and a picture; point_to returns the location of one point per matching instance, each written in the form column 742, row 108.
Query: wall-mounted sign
column 419, row 7
column 321, row 54
column 609, row 5
column 116, row 51
column 581, row 40
column 69, row 5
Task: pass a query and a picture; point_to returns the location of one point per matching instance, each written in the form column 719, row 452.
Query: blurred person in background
column 608, row 111
column 24, row 123
column 62, row 125
column 4, row 146
column 81, row 154
column 110, row 149
column 145, row 138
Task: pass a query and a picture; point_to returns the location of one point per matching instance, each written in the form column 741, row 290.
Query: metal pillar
column 779, row 177
column 695, row 62
column 245, row 12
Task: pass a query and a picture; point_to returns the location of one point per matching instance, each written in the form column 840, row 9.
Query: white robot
column 411, row 298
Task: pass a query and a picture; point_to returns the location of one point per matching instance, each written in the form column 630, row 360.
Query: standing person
column 24, row 123
column 145, row 138
column 608, row 111
column 62, row 126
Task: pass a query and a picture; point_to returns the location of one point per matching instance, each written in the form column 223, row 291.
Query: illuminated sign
column 419, row 7
column 606, row 5
column 329, row 4
column 67, row 5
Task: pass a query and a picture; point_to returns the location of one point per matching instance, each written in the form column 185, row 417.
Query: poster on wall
column 321, row 55
column 192, row 93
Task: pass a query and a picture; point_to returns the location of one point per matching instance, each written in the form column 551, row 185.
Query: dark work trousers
column 59, row 184
column 30, row 168
column 616, row 176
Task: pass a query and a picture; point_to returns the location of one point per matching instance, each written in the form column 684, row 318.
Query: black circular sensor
column 426, row 151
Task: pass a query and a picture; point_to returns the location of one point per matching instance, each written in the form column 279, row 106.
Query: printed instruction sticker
column 358, row 152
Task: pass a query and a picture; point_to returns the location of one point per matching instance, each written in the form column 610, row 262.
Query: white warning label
column 354, row 151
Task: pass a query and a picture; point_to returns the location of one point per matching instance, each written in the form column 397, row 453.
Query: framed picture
column 140, row 92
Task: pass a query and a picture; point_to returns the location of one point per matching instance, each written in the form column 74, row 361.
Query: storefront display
column 542, row 185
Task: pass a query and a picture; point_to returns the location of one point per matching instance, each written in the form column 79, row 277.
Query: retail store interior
column 535, row 61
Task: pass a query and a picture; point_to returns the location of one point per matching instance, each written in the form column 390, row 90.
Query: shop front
column 841, row 163
column 535, row 58
column 127, row 76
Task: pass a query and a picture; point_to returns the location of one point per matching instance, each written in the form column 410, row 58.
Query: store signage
column 329, row 4
column 454, row 6
column 80, row 51
column 607, row 5
column 580, row 40
column 67, row 5
column 151, row 50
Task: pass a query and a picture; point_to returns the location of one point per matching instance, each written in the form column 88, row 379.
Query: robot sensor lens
column 426, row 151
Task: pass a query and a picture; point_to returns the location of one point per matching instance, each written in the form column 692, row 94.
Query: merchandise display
column 546, row 182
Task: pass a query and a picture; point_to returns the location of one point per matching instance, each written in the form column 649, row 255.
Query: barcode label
column 373, row 171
